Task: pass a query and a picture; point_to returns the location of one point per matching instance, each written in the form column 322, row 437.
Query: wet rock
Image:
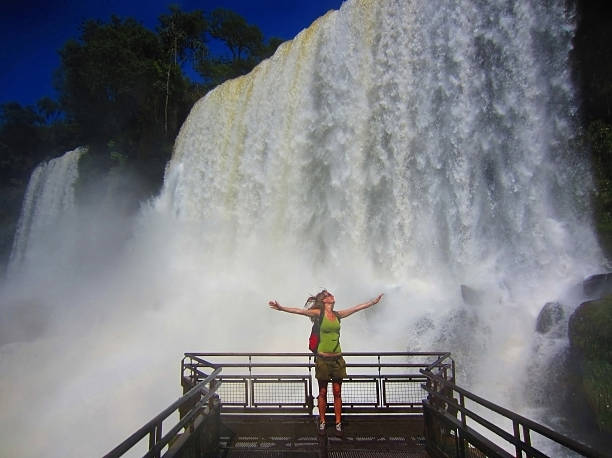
column 590, row 334
column 590, row 329
column 597, row 286
column 550, row 315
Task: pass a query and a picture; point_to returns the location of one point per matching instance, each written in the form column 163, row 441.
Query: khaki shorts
column 330, row 368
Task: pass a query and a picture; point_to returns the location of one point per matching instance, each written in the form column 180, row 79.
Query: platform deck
column 377, row 436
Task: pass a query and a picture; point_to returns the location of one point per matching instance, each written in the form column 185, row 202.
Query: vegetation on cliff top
column 124, row 92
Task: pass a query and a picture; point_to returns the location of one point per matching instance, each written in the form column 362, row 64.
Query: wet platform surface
column 375, row 436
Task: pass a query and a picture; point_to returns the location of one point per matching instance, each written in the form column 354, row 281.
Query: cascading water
column 403, row 147
column 49, row 199
column 411, row 147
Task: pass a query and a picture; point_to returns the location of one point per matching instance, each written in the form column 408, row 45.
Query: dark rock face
column 597, row 286
column 590, row 334
column 551, row 314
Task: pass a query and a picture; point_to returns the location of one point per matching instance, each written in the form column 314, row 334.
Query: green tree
column 182, row 38
column 241, row 38
column 20, row 141
column 107, row 81
column 245, row 43
column 48, row 109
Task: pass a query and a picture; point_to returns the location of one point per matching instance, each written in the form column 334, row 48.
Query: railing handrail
column 150, row 426
column 258, row 360
column 306, row 365
column 260, row 354
column 372, row 369
column 437, row 362
column 514, row 417
column 200, row 358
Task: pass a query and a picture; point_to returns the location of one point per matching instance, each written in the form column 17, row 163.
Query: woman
column 330, row 365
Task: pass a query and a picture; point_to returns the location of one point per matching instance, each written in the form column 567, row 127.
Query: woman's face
column 328, row 298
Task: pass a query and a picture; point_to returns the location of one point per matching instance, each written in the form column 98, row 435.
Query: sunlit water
column 397, row 147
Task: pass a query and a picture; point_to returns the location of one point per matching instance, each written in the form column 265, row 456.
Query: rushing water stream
column 404, row 147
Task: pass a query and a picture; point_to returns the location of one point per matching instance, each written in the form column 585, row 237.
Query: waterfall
column 427, row 139
column 397, row 147
column 48, row 200
column 410, row 146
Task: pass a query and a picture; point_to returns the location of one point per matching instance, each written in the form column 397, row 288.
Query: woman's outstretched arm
column 306, row 312
column 356, row 308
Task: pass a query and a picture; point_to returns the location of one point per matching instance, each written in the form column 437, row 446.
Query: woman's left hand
column 377, row 300
column 275, row 305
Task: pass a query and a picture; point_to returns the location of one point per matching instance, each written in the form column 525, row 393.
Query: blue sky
column 32, row 31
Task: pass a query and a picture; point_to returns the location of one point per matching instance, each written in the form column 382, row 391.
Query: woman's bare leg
column 322, row 399
column 337, row 388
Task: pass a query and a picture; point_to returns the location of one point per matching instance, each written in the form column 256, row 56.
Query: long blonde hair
column 316, row 302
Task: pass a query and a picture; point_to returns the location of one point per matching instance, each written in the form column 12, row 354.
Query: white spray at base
column 397, row 147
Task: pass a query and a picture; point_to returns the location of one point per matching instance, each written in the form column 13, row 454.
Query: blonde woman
column 329, row 363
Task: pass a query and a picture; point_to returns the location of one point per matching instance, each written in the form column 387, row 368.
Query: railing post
column 463, row 425
column 462, row 404
column 526, row 438
column 209, row 438
column 154, row 437
column 517, row 437
column 309, row 397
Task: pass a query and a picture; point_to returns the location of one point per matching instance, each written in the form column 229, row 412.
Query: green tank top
column 330, row 336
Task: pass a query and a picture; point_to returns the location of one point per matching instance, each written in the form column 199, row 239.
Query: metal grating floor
column 377, row 436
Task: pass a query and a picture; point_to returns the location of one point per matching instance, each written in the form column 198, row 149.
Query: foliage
column 242, row 39
column 20, row 140
column 123, row 93
column 27, row 137
column 245, row 43
column 107, row 80
column 181, row 37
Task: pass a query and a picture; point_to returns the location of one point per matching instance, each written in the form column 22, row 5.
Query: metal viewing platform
column 394, row 404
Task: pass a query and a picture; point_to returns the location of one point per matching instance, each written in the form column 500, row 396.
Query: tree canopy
column 124, row 91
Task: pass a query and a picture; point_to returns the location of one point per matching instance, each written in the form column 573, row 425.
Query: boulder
column 590, row 330
column 597, row 286
column 550, row 315
column 590, row 334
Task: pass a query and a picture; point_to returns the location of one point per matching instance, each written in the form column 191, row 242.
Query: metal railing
column 196, row 401
column 455, row 426
column 457, row 423
column 388, row 382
